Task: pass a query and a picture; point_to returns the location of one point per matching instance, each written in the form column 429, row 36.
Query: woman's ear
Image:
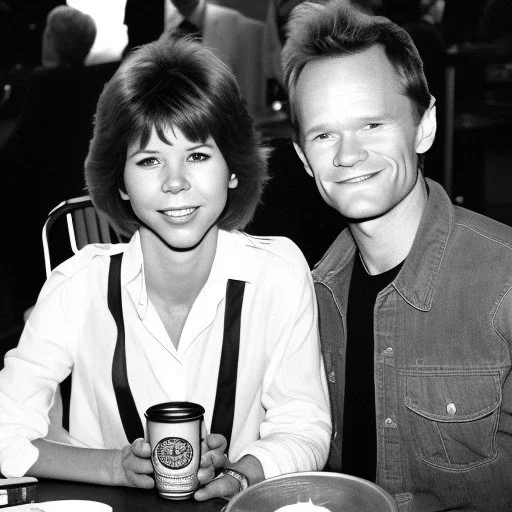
column 124, row 195
column 233, row 181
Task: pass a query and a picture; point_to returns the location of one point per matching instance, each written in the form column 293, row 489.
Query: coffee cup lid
column 174, row 412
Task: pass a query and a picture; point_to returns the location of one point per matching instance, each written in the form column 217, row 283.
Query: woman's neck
column 177, row 276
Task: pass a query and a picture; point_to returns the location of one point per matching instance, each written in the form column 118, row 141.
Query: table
column 121, row 499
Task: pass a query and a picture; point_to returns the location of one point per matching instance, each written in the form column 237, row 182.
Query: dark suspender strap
column 125, row 403
column 224, row 410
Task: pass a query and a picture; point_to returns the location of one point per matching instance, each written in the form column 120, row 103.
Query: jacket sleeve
column 295, row 433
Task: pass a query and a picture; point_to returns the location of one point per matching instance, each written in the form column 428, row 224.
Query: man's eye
column 197, row 157
column 148, row 162
column 322, row 136
column 372, row 126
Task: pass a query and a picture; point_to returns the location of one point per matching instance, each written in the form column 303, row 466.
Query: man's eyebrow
column 369, row 118
column 321, row 127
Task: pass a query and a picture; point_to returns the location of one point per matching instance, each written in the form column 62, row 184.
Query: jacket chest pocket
column 454, row 417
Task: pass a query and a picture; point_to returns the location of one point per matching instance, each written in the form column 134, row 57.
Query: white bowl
column 334, row 491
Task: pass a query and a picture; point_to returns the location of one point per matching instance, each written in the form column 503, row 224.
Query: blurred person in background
column 496, row 22
column 425, row 31
column 49, row 143
column 67, row 38
column 235, row 38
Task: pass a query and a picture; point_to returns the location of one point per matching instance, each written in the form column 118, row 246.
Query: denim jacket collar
column 417, row 279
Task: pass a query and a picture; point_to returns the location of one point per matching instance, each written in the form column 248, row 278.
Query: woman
column 175, row 163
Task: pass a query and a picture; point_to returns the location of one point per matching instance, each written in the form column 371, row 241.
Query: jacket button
column 389, row 422
column 388, row 351
column 332, row 377
column 451, row 409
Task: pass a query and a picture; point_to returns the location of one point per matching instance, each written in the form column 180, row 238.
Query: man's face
column 185, row 7
column 49, row 56
column 359, row 134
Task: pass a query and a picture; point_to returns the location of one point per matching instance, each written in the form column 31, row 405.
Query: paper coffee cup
column 174, row 431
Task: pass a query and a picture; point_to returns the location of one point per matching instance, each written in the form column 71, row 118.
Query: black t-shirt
column 359, row 429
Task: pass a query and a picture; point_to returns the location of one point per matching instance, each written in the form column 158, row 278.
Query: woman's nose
column 175, row 180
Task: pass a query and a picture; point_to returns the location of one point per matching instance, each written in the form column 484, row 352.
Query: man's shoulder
column 473, row 228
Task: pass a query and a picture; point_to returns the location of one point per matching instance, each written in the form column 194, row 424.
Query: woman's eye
column 148, row 162
column 197, row 157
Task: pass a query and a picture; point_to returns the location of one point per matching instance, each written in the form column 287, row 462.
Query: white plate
column 63, row 506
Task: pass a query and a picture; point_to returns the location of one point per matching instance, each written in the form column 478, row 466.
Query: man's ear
column 302, row 156
column 426, row 132
column 124, row 195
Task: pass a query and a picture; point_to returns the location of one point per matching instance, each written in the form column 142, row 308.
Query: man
column 48, row 146
column 236, row 39
column 67, row 38
column 415, row 296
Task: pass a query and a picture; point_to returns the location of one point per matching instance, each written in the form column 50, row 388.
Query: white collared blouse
column 281, row 410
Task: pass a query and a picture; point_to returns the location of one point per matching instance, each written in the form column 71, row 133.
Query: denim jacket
column 442, row 359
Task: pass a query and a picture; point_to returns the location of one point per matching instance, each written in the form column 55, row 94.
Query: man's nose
column 349, row 151
column 175, row 179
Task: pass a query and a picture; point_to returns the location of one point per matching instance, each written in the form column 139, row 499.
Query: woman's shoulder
column 87, row 257
column 278, row 251
column 84, row 270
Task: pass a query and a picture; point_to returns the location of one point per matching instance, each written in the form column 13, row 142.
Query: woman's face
column 177, row 189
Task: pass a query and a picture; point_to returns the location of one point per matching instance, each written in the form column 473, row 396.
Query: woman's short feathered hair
column 174, row 82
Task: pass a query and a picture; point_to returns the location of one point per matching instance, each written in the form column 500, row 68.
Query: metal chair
column 85, row 226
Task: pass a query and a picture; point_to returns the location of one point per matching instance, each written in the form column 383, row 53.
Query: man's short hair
column 73, row 34
column 174, row 82
column 335, row 28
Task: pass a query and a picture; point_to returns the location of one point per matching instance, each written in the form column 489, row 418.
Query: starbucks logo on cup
column 173, row 453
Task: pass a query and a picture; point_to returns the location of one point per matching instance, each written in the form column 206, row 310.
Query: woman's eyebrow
column 145, row 151
column 201, row 145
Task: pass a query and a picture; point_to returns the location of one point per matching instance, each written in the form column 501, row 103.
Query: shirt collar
column 133, row 277
column 417, row 279
column 232, row 261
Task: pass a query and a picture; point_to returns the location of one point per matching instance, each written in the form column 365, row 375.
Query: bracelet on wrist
column 242, row 479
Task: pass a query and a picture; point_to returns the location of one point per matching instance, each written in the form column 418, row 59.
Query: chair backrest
column 85, row 226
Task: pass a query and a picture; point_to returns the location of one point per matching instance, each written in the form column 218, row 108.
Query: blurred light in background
column 111, row 36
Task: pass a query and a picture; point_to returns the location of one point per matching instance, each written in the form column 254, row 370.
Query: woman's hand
column 213, row 457
column 132, row 466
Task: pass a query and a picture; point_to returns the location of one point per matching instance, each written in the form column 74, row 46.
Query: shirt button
column 451, row 409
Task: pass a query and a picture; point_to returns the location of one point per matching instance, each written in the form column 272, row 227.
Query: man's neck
column 429, row 19
column 197, row 16
column 385, row 242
